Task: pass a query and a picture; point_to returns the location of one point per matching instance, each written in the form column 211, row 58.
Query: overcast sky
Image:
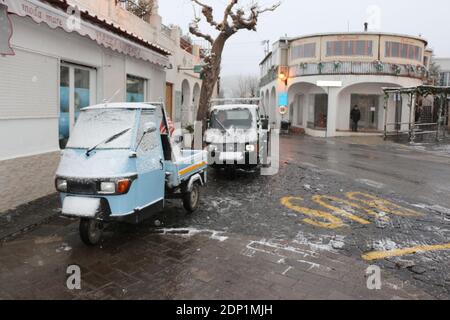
column 244, row 51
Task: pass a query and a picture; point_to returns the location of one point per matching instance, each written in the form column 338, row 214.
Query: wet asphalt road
column 344, row 197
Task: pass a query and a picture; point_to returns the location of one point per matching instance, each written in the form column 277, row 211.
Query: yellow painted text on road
column 316, row 218
column 356, row 203
column 382, row 204
column 379, row 255
column 322, row 200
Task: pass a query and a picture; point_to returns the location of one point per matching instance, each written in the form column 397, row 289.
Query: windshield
column 232, row 119
column 95, row 126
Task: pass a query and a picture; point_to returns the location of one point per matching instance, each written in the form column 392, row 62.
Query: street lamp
column 283, row 76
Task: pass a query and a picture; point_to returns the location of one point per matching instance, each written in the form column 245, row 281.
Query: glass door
column 77, row 90
column 369, row 107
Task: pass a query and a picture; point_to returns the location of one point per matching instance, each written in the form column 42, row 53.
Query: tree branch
column 250, row 22
column 207, row 11
column 228, row 12
column 193, row 28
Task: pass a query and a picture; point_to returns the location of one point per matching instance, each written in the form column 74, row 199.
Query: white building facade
column 64, row 59
column 444, row 71
column 325, row 75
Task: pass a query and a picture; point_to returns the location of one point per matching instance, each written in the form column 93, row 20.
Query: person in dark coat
column 355, row 116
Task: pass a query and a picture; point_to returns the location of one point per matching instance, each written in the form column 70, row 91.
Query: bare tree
column 234, row 19
column 434, row 73
column 247, row 87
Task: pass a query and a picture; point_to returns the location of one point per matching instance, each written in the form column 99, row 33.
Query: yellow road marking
column 333, row 222
column 320, row 200
column 191, row 168
column 379, row 255
column 381, row 204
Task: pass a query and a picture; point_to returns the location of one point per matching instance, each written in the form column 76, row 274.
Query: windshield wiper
column 223, row 127
column 110, row 139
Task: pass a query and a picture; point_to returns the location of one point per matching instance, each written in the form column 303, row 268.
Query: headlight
column 118, row 187
column 107, row 188
column 212, row 148
column 61, row 185
column 249, row 148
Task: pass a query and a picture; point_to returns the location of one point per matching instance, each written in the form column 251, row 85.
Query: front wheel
column 91, row 231
column 191, row 198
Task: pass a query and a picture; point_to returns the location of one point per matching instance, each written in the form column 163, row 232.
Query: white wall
column 25, row 137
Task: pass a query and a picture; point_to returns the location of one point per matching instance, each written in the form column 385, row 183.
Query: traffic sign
column 283, row 99
column 283, row 110
column 198, row 68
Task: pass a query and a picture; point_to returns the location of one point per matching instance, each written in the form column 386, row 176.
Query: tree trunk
column 211, row 75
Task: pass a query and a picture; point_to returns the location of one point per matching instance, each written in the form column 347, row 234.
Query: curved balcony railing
column 358, row 68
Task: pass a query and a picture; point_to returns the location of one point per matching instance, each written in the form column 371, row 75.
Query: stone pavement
column 141, row 262
column 28, row 216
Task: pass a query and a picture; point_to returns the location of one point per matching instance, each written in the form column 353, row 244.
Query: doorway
column 169, row 99
column 369, row 107
column 77, row 90
column 320, row 111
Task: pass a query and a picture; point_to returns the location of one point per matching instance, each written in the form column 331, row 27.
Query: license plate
column 81, row 207
column 231, row 156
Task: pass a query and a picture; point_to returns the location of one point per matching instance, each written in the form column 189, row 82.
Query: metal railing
column 358, row 68
column 166, row 30
column 413, row 130
column 269, row 77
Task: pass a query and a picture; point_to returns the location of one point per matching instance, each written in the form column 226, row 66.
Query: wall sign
column 283, row 99
column 6, row 31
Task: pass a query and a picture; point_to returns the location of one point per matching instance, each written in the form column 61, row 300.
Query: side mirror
column 149, row 127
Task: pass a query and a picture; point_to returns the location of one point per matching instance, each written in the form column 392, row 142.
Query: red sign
column 6, row 31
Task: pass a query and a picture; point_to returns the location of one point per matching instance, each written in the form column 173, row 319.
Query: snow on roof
column 235, row 106
column 122, row 105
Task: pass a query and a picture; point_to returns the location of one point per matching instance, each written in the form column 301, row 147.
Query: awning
column 104, row 33
column 5, row 31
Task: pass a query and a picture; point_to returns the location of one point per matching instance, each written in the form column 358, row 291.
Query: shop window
column 76, row 91
column 136, row 89
column 64, row 115
column 82, row 90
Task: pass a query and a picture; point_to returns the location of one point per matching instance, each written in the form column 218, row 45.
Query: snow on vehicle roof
column 235, row 106
column 123, row 105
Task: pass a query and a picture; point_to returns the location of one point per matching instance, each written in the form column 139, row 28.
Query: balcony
column 358, row 68
column 271, row 75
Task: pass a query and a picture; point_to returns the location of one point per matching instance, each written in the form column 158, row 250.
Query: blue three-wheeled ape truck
column 121, row 164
